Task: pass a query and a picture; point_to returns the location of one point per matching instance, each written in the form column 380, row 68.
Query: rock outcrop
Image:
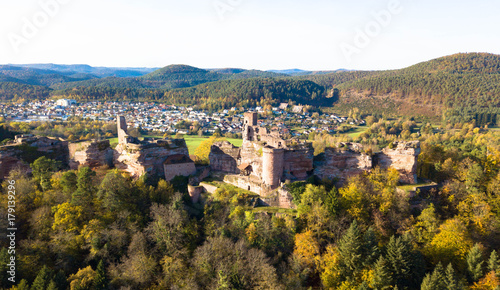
column 27, row 148
column 92, row 154
column 131, row 154
column 342, row 163
column 349, row 160
column 402, row 157
column 224, row 157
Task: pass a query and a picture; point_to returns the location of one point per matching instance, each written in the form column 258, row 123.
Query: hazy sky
column 251, row 34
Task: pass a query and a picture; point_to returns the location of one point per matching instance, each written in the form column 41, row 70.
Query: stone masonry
column 133, row 155
column 266, row 160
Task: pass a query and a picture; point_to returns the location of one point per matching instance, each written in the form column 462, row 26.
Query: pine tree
column 52, row 285
column 4, row 260
column 382, row 275
column 42, row 279
column 451, row 281
column 101, row 281
column 399, row 259
column 371, row 250
column 364, row 286
column 351, row 248
column 493, row 262
column 23, row 285
column 436, row 280
column 427, row 283
column 475, row 263
column 60, row 280
column 83, row 196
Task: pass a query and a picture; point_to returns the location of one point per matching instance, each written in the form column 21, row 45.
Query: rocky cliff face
column 92, row 154
column 223, row 157
column 9, row 160
column 27, row 150
column 402, row 157
column 342, row 163
column 349, row 160
column 298, row 163
column 138, row 159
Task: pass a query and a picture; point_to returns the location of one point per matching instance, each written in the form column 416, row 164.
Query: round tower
column 272, row 166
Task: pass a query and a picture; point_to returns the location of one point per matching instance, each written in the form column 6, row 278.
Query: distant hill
column 180, row 76
column 463, row 84
column 214, row 95
column 456, row 86
column 38, row 77
column 95, row 71
column 299, row 72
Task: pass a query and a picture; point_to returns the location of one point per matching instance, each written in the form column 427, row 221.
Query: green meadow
column 192, row 142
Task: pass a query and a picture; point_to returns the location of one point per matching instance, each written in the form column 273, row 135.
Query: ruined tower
column 122, row 129
column 272, row 166
column 250, row 120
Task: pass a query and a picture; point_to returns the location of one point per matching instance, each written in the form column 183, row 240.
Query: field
column 357, row 131
column 192, row 142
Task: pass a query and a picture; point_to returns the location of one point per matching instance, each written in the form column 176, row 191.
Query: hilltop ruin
column 163, row 157
column 266, row 160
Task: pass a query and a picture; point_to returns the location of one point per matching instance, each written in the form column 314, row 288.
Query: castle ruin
column 266, row 160
column 163, row 157
column 261, row 165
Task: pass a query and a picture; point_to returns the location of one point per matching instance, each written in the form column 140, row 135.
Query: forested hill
column 177, row 84
column 462, row 84
column 215, row 95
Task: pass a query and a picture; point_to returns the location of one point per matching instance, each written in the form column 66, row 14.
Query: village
column 171, row 119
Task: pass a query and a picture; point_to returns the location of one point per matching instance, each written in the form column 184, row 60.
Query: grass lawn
column 113, row 142
column 235, row 142
column 357, row 131
column 192, row 142
column 410, row 187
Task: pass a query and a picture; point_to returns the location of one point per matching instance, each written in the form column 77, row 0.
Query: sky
column 249, row 34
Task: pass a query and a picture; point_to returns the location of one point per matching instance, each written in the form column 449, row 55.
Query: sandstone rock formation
column 342, row 163
column 402, row 157
column 132, row 155
column 266, row 160
column 92, row 154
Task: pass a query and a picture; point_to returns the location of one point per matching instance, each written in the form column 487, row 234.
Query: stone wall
column 285, row 198
column 183, row 169
column 138, row 159
column 349, row 160
column 224, row 157
column 208, row 187
column 248, row 183
column 27, row 149
column 195, row 193
column 298, row 163
column 10, row 160
column 121, row 124
column 272, row 166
